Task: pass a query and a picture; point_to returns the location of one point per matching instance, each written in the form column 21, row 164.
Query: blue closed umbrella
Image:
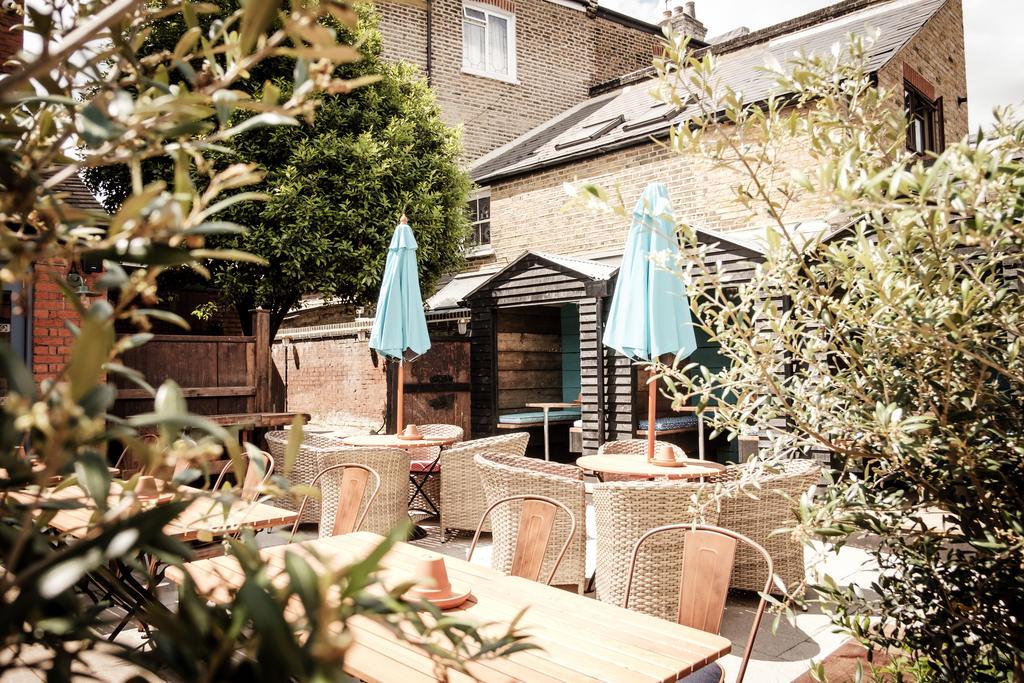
column 400, row 326
column 650, row 312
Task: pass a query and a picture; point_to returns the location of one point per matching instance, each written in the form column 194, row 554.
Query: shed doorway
column 538, row 361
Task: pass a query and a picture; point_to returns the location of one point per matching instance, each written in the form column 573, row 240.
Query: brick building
column 501, row 67
column 547, row 263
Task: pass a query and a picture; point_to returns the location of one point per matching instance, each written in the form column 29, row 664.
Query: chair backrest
column 504, row 475
column 442, row 431
column 127, row 455
column 536, row 524
column 390, row 505
column 350, row 510
column 636, row 447
column 258, row 471
column 625, row 511
column 709, row 553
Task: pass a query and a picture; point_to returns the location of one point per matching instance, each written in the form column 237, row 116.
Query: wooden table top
column 392, row 441
column 636, row 464
column 582, row 639
column 204, row 514
column 569, row 404
column 254, row 420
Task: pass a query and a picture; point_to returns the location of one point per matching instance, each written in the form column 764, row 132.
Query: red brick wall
column 332, row 379
column 51, row 338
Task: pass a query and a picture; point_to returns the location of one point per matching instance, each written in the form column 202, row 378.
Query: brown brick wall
column 560, row 53
column 51, row 338
column 10, row 40
column 531, row 213
column 332, row 379
column 936, row 53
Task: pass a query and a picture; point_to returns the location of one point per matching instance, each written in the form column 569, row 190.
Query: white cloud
column 995, row 55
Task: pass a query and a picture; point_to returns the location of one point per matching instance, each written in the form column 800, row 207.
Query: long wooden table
column 581, row 639
column 203, row 515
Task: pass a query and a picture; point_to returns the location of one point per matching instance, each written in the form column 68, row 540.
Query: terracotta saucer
column 669, row 463
column 158, row 498
column 410, row 437
column 458, row 595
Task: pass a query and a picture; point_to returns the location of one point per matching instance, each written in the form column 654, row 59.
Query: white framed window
column 480, row 218
column 488, row 42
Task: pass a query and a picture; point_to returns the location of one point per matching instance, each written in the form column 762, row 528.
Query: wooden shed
column 523, row 339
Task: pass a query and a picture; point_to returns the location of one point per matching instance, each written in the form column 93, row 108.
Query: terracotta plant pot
column 410, row 433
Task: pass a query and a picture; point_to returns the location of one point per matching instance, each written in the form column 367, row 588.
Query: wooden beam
column 263, row 362
column 190, row 392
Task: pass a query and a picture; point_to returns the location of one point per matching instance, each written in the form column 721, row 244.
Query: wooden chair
column 709, row 553
column 257, row 473
column 125, row 459
column 351, row 511
column 536, row 522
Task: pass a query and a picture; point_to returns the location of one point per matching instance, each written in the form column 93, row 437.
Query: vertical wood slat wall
column 534, row 281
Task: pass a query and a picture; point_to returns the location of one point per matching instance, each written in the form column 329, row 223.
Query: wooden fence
column 218, row 375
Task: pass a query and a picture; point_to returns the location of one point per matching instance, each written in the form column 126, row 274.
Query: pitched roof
column 77, row 194
column 630, row 115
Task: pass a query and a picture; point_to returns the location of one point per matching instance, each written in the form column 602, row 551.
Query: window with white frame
column 480, row 218
column 488, row 41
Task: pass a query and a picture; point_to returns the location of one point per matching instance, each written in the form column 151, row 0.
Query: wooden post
column 400, row 403
column 261, row 378
column 652, row 407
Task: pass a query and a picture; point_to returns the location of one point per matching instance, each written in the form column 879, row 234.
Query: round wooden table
column 636, row 465
column 392, row 441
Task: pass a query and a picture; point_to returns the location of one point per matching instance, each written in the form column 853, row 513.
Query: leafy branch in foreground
column 91, row 99
column 892, row 346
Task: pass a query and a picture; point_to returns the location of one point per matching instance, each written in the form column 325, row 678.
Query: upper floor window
column 480, row 219
column 924, row 131
column 488, row 42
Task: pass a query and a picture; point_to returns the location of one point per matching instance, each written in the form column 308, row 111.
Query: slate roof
column 630, row 115
column 77, row 194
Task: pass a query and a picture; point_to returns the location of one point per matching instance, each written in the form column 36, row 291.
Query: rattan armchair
column 389, row 507
column 759, row 509
column 442, row 431
column 305, row 467
column 624, row 512
column 462, row 496
column 505, row 476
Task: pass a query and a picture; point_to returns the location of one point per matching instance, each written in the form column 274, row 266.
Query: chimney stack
column 683, row 19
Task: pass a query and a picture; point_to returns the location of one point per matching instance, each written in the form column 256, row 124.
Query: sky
column 995, row 53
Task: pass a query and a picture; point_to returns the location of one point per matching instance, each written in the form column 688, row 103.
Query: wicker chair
column 305, row 467
column 426, row 468
column 512, row 475
column 624, row 512
column 462, row 497
column 390, row 507
column 632, row 447
column 756, row 512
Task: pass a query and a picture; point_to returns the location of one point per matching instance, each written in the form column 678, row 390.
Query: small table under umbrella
column 650, row 312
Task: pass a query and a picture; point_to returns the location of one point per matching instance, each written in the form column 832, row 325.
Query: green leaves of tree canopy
column 336, row 184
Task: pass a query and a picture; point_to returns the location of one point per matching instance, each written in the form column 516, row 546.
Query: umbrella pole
column 400, row 419
column 652, row 399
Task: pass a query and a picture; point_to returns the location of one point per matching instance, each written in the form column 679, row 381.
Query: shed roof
column 631, row 115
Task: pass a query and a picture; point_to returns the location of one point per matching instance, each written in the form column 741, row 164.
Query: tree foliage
column 892, row 347
column 92, row 99
column 336, row 184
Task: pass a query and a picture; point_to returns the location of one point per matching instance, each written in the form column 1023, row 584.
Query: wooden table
column 546, row 407
column 582, row 639
column 636, row 464
column 203, row 514
column 392, row 441
column 255, row 420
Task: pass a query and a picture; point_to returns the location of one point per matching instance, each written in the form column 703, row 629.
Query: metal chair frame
column 340, row 466
column 526, row 497
column 691, row 530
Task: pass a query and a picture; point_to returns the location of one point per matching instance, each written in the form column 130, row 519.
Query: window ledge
column 483, row 251
column 511, row 80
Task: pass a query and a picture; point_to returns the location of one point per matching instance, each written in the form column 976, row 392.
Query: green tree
column 336, row 184
column 903, row 337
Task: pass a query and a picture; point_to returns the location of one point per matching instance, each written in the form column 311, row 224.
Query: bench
column 674, row 424
column 536, row 418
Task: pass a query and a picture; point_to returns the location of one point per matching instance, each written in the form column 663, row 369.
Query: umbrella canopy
column 400, row 326
column 650, row 312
